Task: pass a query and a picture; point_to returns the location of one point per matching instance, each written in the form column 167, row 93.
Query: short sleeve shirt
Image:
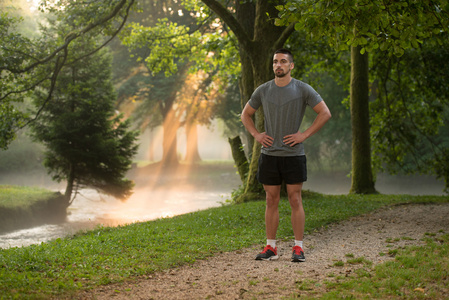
column 284, row 109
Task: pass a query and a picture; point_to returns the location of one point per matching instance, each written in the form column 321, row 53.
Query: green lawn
column 12, row 196
column 107, row 255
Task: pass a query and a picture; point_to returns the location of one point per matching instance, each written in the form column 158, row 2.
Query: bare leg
column 298, row 215
column 272, row 210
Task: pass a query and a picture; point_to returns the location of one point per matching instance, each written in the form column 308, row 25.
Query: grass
column 418, row 272
column 63, row 267
column 12, row 196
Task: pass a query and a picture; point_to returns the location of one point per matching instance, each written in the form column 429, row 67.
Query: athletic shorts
column 275, row 169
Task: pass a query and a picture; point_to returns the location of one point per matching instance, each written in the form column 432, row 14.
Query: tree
column 258, row 37
column 158, row 97
column 28, row 63
column 87, row 143
column 366, row 26
column 249, row 27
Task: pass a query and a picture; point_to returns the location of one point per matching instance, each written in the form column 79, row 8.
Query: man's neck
column 282, row 81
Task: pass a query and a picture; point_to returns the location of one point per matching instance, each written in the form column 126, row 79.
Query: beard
column 281, row 73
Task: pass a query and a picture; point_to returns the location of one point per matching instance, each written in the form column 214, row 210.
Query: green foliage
column 22, row 155
column 93, row 17
column 417, row 30
column 10, row 118
column 167, row 42
column 108, row 255
column 171, row 41
column 414, row 90
column 330, row 149
column 87, row 143
column 10, row 121
column 27, row 63
column 393, row 27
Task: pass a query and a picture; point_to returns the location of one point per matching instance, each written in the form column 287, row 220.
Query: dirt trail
column 237, row 275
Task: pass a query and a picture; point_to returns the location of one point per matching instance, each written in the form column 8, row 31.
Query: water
column 91, row 210
column 159, row 196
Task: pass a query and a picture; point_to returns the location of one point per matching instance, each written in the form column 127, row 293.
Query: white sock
column 272, row 243
column 298, row 243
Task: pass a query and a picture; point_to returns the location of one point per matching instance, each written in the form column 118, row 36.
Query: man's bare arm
column 248, row 122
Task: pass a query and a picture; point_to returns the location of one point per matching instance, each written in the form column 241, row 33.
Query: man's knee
column 295, row 202
column 272, row 200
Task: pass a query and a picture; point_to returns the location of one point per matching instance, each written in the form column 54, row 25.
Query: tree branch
column 125, row 18
column 58, row 66
column 73, row 36
column 284, row 36
column 229, row 19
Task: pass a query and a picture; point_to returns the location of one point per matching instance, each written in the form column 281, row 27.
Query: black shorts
column 275, row 169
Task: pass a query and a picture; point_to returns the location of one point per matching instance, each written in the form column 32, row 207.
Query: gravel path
column 237, row 275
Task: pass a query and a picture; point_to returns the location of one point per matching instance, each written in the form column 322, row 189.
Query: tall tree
column 366, row 26
column 258, row 37
column 87, row 143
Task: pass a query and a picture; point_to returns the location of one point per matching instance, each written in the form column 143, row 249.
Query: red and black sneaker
column 268, row 253
column 298, row 254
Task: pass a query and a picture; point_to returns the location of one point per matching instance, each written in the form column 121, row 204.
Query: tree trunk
column 192, row 152
column 69, row 188
column 252, row 184
column 362, row 178
column 239, row 156
column 258, row 38
column 245, row 13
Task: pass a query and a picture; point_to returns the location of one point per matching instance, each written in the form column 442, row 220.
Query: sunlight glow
column 33, row 5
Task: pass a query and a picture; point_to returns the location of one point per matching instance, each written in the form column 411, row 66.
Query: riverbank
column 24, row 207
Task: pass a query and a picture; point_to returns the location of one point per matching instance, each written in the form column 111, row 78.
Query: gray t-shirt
column 284, row 108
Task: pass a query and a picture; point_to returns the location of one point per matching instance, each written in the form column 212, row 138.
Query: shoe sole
column 298, row 260
column 270, row 258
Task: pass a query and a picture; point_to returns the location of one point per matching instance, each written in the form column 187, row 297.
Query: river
column 160, row 197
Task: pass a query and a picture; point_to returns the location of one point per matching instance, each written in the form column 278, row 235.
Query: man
column 284, row 100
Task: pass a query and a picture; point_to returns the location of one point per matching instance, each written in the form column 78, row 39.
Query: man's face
column 281, row 64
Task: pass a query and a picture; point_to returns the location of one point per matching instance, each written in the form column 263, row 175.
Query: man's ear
column 292, row 65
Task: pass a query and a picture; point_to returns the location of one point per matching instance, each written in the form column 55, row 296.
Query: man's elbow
column 328, row 115
column 325, row 114
column 242, row 118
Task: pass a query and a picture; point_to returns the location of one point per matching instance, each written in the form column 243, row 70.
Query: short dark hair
column 285, row 51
